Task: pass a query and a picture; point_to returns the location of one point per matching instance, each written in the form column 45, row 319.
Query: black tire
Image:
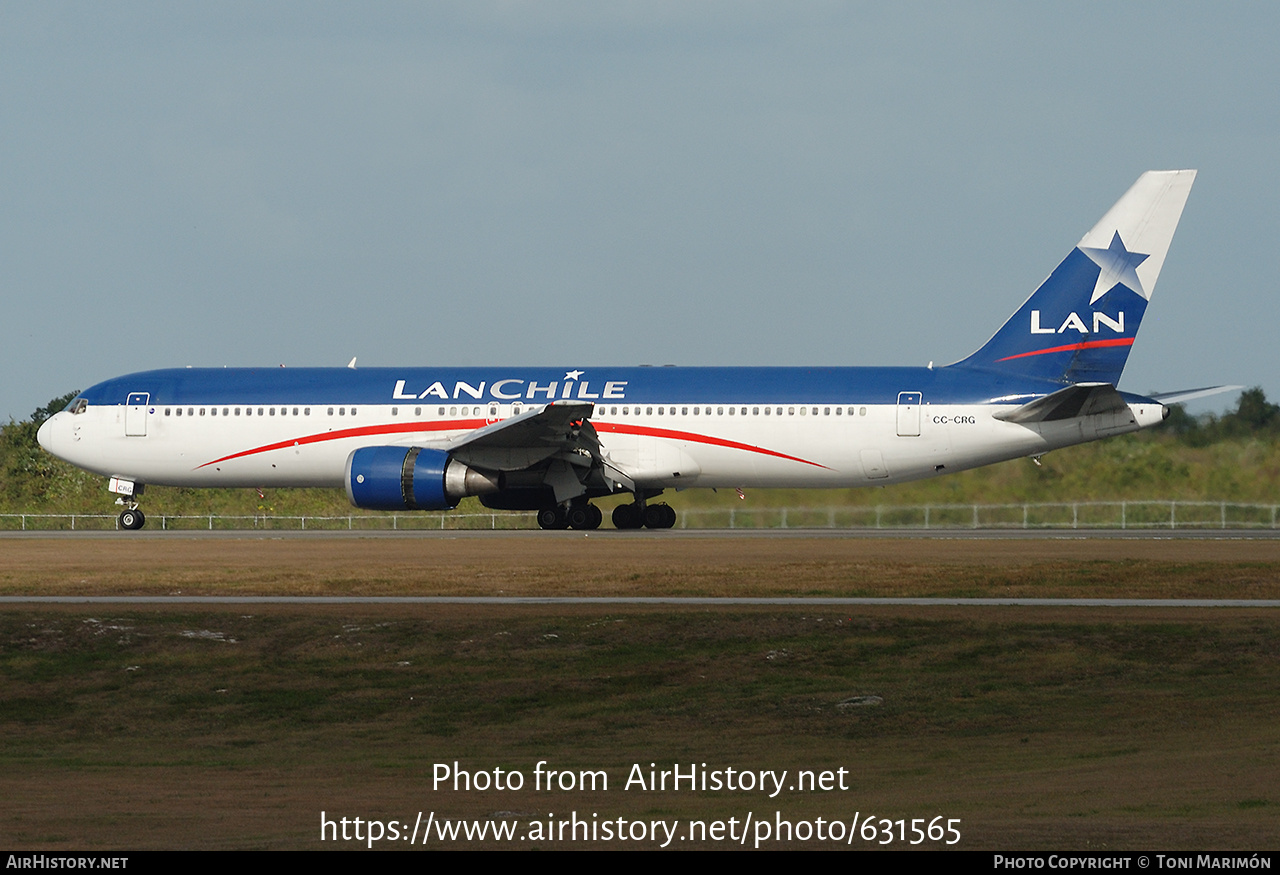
column 596, row 517
column 626, row 516
column 553, row 518
column 580, row 516
column 659, row 516
column 131, row 519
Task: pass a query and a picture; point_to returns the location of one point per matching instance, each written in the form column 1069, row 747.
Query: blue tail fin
column 1079, row 325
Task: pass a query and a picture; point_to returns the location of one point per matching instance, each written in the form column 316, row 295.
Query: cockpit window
column 78, row 406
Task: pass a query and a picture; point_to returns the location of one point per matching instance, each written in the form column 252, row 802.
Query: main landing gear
column 625, row 516
column 649, row 516
column 577, row 516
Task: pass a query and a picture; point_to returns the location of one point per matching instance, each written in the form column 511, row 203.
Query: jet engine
column 411, row 478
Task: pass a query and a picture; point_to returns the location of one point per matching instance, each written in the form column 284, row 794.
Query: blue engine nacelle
column 411, row 478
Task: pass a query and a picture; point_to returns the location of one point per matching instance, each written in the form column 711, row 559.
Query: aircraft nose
column 49, row 434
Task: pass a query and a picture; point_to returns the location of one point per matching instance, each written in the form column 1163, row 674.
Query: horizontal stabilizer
column 1082, row 399
column 1191, row 394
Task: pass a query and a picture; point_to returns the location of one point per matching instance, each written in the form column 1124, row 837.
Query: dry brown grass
column 1040, row 728
column 601, row 565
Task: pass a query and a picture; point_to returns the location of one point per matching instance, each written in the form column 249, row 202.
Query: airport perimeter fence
column 1059, row 515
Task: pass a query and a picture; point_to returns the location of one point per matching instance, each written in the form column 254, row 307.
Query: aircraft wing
column 532, row 437
column 558, row 439
column 1081, row 399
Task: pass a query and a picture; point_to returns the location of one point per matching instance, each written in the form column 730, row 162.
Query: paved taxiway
column 675, row 601
column 1144, row 534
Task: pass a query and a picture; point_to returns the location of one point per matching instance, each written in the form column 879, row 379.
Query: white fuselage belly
column 859, row 447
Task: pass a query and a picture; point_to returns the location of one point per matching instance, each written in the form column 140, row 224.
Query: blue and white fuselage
column 554, row 438
column 718, row 427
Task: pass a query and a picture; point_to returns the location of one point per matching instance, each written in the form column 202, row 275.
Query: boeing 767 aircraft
column 551, row 440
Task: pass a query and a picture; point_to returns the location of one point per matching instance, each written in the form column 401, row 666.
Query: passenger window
column 166, row 411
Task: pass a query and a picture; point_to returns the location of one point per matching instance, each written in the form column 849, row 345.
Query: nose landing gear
column 132, row 519
column 128, row 491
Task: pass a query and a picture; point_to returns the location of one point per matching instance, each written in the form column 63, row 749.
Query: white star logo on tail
column 1118, row 266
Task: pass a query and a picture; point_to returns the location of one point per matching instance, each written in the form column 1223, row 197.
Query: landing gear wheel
column 553, row 518
column 132, row 519
column 585, row 516
column 659, row 516
column 627, row 516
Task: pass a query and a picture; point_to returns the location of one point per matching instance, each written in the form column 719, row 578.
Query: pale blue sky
column 587, row 183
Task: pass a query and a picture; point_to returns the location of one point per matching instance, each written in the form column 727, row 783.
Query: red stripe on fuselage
column 363, row 431
column 670, row 434
column 454, row 425
column 1088, row 344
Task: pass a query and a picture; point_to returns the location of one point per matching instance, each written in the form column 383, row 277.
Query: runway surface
column 635, row 600
column 1143, row 534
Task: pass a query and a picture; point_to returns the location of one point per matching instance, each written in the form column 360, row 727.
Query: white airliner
column 551, row 440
